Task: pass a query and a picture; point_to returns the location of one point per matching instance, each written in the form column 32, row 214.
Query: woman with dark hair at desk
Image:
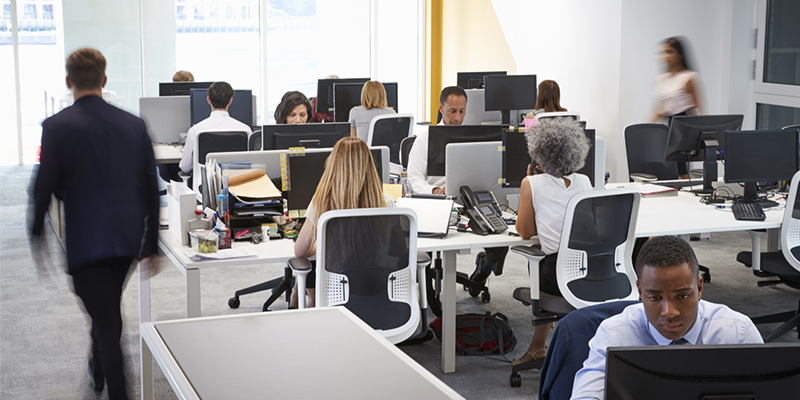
column 294, row 109
column 350, row 181
column 560, row 147
column 548, row 99
column 373, row 103
column 676, row 90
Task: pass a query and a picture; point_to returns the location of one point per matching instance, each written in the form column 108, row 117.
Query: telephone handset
column 483, row 210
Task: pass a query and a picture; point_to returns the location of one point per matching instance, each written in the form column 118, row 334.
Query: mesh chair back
column 208, row 142
column 645, row 146
column 254, row 142
column 390, row 130
column 594, row 257
column 405, row 150
column 790, row 230
column 366, row 261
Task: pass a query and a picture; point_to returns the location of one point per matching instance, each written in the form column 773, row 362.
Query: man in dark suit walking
column 99, row 161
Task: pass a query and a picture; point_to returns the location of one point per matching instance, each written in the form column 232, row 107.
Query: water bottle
column 404, row 184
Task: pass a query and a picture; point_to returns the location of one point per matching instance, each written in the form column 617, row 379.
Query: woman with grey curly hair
column 559, row 147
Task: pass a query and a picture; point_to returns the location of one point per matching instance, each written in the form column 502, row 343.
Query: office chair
column 795, row 126
column 569, row 347
column 390, row 130
column 783, row 264
column 367, row 262
column 254, row 142
column 405, row 150
column 212, row 142
column 645, row 146
column 594, row 260
column 563, row 114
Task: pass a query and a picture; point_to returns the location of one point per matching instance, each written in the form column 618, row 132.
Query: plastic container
column 204, row 240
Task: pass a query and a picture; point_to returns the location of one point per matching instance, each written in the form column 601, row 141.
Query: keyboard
column 679, row 183
column 748, row 211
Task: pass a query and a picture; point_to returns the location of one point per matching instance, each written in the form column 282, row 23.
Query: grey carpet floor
column 44, row 332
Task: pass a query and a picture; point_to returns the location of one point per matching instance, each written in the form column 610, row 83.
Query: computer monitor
column 348, row 95
column 180, row 88
column 284, row 136
column 761, row 156
column 304, row 173
column 325, row 92
column 474, row 80
column 510, row 92
column 700, row 138
column 439, row 136
column 516, row 158
column 476, row 111
column 241, row 108
column 730, row 372
column 166, row 117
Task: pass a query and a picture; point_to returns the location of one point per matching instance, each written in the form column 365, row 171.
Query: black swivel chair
column 783, row 264
column 254, row 142
column 390, row 130
column 216, row 142
column 405, row 150
column 594, row 260
column 645, row 146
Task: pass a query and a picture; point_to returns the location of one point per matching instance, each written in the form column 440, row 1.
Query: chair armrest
column 299, row 265
column 528, row 251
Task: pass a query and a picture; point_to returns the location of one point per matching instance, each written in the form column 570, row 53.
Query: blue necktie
column 680, row 341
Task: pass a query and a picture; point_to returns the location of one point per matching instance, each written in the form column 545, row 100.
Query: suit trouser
column 99, row 285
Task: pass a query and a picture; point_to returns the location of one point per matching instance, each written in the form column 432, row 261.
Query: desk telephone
column 483, row 210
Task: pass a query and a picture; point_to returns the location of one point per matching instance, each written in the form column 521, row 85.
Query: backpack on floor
column 480, row 334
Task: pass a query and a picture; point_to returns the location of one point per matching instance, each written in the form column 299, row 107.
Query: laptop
column 433, row 215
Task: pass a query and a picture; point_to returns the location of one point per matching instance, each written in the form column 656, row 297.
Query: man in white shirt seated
column 453, row 107
column 671, row 313
column 220, row 97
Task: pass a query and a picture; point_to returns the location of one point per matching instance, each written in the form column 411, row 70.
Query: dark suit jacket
column 99, row 160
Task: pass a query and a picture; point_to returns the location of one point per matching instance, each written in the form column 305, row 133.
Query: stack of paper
column 253, row 193
column 651, row 190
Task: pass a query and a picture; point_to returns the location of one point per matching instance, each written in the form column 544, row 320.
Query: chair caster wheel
column 515, row 380
column 486, row 297
column 233, row 302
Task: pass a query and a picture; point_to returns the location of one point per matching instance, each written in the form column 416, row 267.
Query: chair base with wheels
column 278, row 286
column 433, row 286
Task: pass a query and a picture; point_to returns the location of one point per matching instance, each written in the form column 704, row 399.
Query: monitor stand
column 709, row 166
column 751, row 194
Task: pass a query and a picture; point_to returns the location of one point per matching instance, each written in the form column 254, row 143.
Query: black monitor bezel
column 236, row 110
column 343, row 114
column 768, row 371
column 456, row 134
column 292, row 200
column 465, row 79
column 325, row 131
column 326, row 86
column 778, row 152
column 492, row 82
column 588, row 168
column 686, row 133
column 182, row 88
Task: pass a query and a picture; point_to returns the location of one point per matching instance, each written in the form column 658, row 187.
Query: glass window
column 30, row 11
column 47, row 11
column 770, row 116
column 782, row 43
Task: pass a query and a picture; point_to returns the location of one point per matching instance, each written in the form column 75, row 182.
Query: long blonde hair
column 373, row 95
column 350, row 179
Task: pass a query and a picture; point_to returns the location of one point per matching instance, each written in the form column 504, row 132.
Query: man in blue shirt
column 671, row 312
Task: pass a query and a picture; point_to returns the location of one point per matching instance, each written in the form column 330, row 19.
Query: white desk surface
column 312, row 354
column 684, row 214
column 167, row 153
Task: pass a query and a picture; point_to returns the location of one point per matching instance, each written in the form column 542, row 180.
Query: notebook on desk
column 433, row 215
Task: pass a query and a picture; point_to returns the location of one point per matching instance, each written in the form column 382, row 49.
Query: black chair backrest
column 217, row 142
column 599, row 227
column 645, row 145
column 369, row 250
column 405, row 150
column 254, row 143
column 390, row 132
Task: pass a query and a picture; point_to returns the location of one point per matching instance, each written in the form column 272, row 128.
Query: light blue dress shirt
column 715, row 324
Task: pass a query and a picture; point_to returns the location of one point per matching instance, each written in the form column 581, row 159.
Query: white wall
column 604, row 56
column 394, row 46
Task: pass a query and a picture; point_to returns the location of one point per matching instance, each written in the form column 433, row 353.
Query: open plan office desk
column 279, row 251
column 265, row 355
column 167, row 153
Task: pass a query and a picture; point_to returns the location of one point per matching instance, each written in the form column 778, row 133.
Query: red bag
column 480, row 334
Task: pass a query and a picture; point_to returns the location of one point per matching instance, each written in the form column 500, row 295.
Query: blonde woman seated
column 350, row 181
column 373, row 103
column 559, row 146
